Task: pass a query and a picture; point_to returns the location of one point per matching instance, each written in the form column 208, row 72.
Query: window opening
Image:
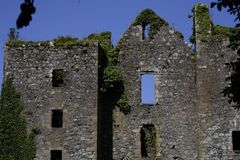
column 236, row 140
column 146, row 31
column 148, row 141
column 147, row 89
column 57, row 78
column 57, row 118
column 56, row 155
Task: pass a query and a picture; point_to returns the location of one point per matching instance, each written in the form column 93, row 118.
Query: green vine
column 207, row 31
column 112, row 77
column 123, row 104
column 146, row 17
column 219, row 32
column 204, row 23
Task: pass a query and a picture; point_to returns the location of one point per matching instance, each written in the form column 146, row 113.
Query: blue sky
column 79, row 18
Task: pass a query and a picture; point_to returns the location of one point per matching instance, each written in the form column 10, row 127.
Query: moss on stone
column 66, row 42
column 204, row 22
column 146, row 17
column 20, row 43
column 14, row 43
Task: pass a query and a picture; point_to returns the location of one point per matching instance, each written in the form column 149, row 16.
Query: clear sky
column 79, row 18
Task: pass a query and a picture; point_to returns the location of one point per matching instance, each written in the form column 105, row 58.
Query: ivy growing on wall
column 149, row 17
column 207, row 30
column 208, row 33
column 203, row 22
column 112, row 77
column 16, row 142
column 219, row 32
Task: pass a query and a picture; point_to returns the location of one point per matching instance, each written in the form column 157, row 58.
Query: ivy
column 123, row 104
column 219, row 32
column 207, row 31
column 14, row 43
column 112, row 76
column 103, row 38
column 203, row 22
column 146, row 17
column 15, row 141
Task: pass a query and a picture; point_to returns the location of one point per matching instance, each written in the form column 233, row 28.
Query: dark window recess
column 56, row 155
column 147, row 89
column 58, row 78
column 148, row 141
column 57, row 118
column 236, row 140
column 146, row 31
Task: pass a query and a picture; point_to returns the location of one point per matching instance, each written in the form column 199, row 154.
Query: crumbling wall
column 167, row 57
column 31, row 64
column 100, row 94
column 216, row 117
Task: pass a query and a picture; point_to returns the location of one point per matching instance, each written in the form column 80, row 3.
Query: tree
column 232, row 91
column 232, row 6
column 27, row 9
column 15, row 141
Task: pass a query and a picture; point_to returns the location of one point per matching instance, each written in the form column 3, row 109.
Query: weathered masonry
column 86, row 97
column 59, row 89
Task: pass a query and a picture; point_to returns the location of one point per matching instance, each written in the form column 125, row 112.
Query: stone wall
column 193, row 119
column 190, row 118
column 216, row 117
column 169, row 59
column 31, row 65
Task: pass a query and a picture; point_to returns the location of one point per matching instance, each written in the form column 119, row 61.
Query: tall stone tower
column 59, row 90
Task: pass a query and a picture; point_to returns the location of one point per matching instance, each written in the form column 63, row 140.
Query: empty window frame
column 57, row 118
column 148, row 141
column 146, row 31
column 58, row 78
column 148, row 88
column 56, row 154
column 236, row 140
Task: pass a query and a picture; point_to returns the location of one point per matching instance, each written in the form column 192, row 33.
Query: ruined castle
column 85, row 95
